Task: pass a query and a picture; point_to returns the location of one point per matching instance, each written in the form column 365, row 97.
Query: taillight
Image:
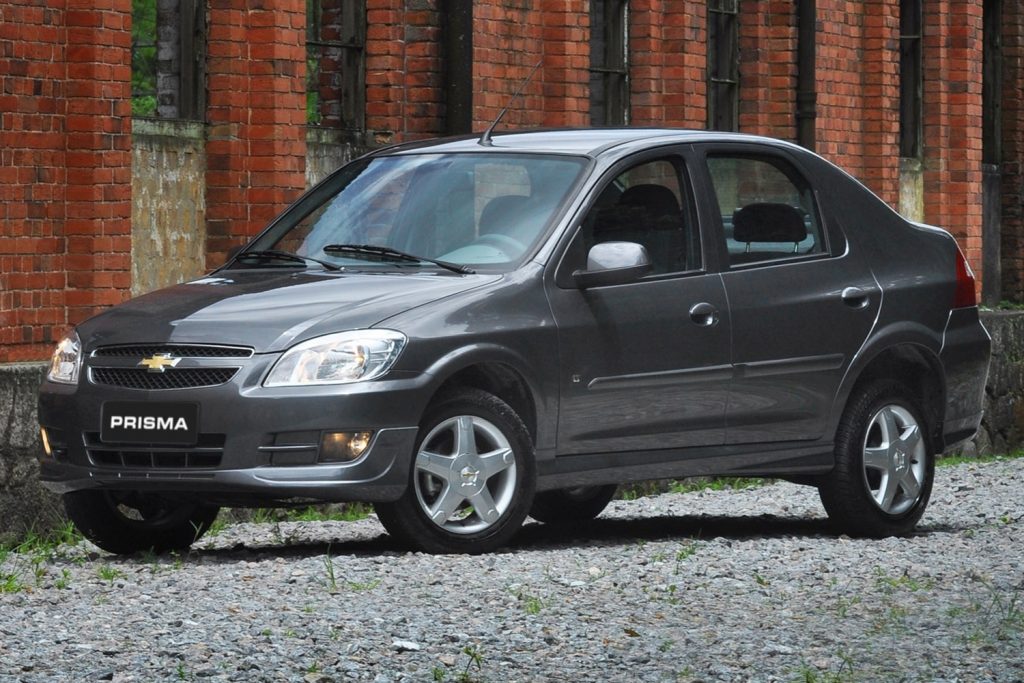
column 965, row 295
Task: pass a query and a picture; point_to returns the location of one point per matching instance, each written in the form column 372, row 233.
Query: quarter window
column 767, row 209
column 647, row 205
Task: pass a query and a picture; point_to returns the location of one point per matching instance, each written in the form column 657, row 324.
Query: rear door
column 645, row 365
column 801, row 303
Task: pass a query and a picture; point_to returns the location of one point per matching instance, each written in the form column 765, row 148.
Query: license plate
column 163, row 423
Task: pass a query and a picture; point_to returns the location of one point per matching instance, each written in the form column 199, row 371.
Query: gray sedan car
column 465, row 332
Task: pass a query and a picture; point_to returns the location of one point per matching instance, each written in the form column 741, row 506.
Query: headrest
column 657, row 199
column 501, row 212
column 768, row 222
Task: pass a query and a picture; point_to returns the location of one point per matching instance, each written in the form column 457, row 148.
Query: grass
column 690, row 485
column 954, row 460
column 343, row 512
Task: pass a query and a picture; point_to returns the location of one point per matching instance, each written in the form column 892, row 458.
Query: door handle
column 855, row 297
column 704, row 314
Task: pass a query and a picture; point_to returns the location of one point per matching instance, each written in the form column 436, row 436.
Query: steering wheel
column 509, row 246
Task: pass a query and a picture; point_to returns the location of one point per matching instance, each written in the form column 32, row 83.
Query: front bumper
column 257, row 446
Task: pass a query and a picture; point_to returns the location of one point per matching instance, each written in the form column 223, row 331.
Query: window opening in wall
column 911, row 78
column 609, row 63
column 335, row 40
column 723, row 65
column 167, row 59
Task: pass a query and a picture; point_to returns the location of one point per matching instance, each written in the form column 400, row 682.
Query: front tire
column 127, row 522
column 472, row 478
column 885, row 464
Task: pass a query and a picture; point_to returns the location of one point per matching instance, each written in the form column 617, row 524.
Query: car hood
column 270, row 311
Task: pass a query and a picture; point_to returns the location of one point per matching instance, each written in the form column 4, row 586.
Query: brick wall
column 667, row 41
column 1013, row 154
column 256, row 144
column 768, row 68
column 404, row 82
column 508, row 40
column 952, row 121
column 65, row 167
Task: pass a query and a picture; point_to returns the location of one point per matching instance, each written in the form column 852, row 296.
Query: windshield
column 476, row 210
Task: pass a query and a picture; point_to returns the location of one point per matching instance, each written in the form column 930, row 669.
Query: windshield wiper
column 394, row 254
column 284, row 256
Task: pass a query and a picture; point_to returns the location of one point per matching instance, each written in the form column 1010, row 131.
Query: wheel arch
column 915, row 366
column 499, row 372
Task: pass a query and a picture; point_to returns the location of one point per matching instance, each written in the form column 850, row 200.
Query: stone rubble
column 745, row 585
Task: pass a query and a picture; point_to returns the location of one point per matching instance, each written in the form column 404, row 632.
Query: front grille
column 173, row 378
column 206, row 454
column 178, row 350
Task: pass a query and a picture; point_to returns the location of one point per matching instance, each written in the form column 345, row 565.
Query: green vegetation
column 143, row 57
column 844, row 674
column 690, row 485
column 109, row 574
column 341, row 512
column 531, row 603
column 475, row 659
column 954, row 460
column 332, row 580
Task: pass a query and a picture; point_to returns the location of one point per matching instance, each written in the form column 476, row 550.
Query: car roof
column 588, row 141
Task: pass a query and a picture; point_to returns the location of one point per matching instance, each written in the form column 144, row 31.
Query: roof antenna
column 485, row 139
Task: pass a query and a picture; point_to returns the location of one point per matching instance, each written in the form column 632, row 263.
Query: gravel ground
column 708, row 586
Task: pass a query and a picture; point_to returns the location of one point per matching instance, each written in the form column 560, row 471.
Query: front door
column 645, row 365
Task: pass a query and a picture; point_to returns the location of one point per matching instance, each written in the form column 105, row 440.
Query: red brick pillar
column 768, row 60
column 98, row 138
column 880, row 74
column 256, row 150
column 565, row 98
column 1013, row 153
column 685, row 42
column 404, row 70
column 32, row 177
column 840, row 108
column 507, row 42
column 952, row 121
column 65, row 168
column 647, row 58
column 385, row 80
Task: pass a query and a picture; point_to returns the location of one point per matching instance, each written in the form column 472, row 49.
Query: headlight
column 66, row 361
column 340, row 358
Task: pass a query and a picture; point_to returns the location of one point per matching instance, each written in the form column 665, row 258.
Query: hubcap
column 895, row 459
column 465, row 474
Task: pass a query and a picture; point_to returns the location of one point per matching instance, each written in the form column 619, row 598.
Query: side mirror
column 613, row 263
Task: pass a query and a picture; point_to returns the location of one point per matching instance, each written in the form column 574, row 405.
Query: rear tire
column 885, row 464
column 127, row 522
column 472, row 477
column 568, row 507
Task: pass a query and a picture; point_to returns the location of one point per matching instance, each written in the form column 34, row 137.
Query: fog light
column 343, row 446
column 46, row 442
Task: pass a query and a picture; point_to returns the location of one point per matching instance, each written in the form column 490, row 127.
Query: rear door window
column 767, row 209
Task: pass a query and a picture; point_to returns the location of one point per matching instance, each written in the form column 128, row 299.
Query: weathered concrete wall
column 1002, row 429
column 328, row 150
column 168, row 203
column 24, row 504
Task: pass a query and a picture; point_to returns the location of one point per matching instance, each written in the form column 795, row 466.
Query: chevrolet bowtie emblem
column 159, row 362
